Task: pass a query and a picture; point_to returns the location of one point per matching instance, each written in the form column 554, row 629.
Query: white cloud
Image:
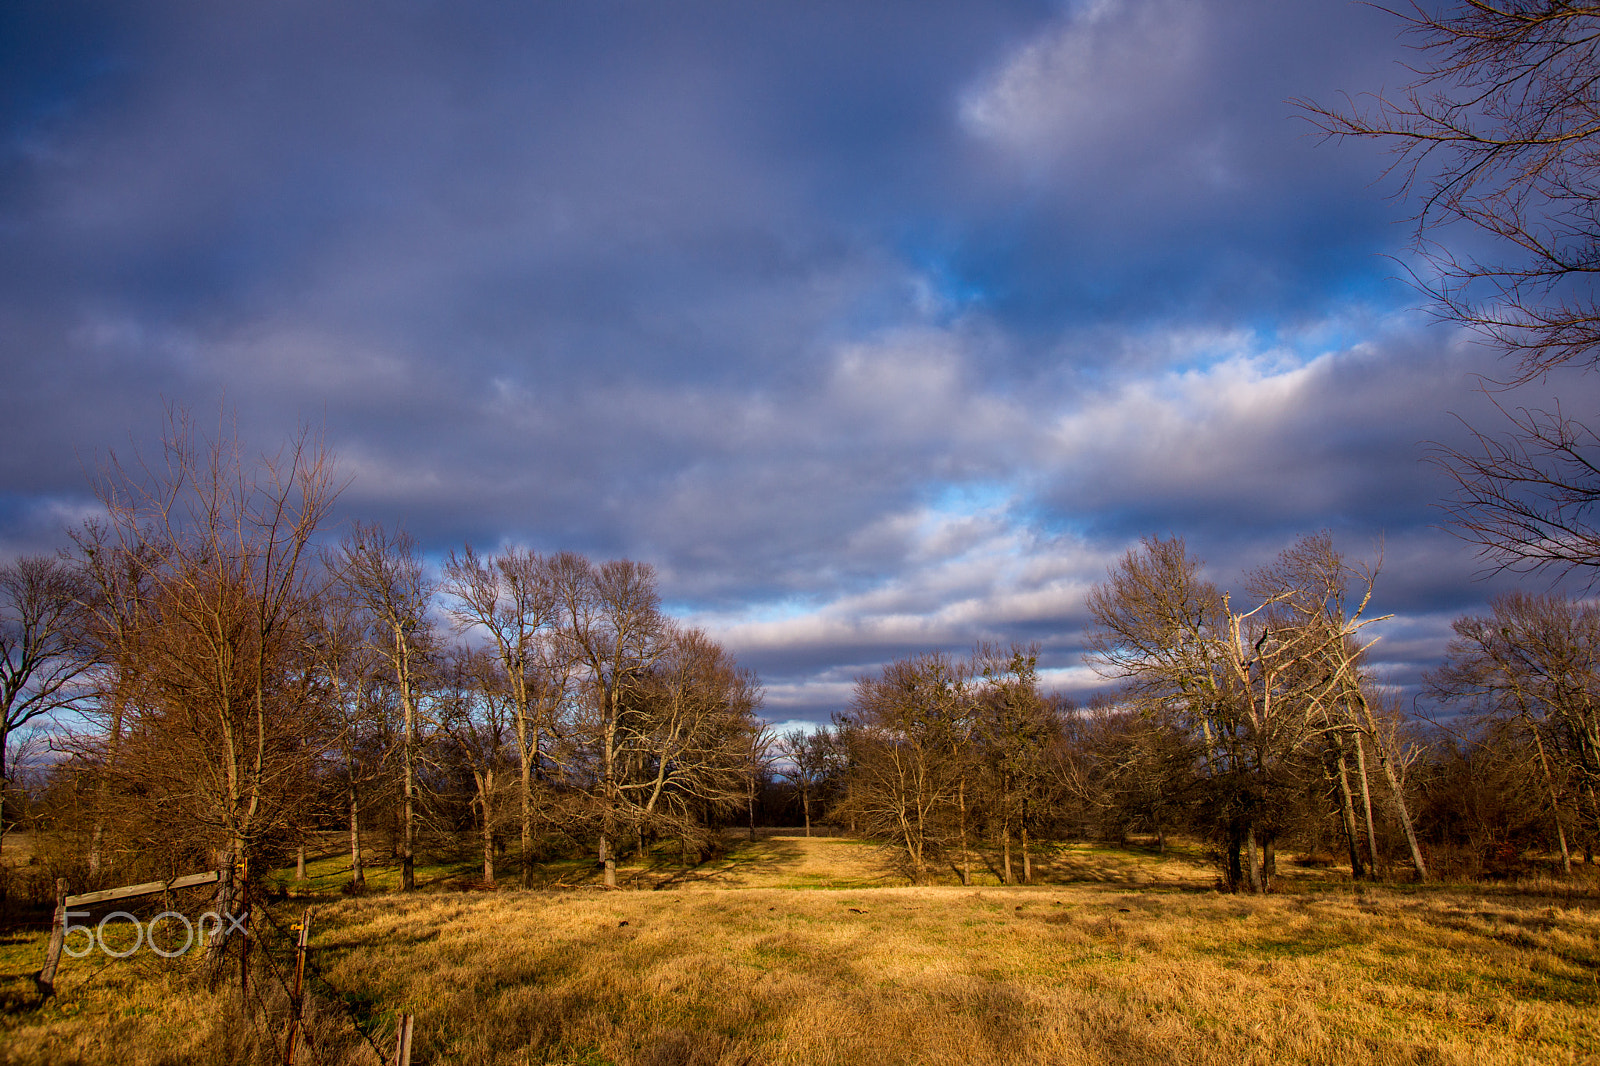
column 1192, row 417
column 1093, row 77
column 1000, row 573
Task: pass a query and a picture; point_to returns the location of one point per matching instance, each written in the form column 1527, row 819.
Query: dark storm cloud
column 874, row 327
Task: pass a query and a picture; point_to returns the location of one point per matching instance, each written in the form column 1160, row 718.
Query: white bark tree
column 383, row 573
column 612, row 630
column 510, row 597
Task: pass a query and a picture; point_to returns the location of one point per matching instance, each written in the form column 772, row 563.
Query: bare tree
column 758, row 760
column 1254, row 687
column 697, row 747
column 510, row 596
column 383, row 573
column 1532, row 665
column 117, row 598
column 227, row 728
column 352, row 670
column 478, row 716
column 904, row 768
column 1016, row 728
column 42, row 653
column 1126, row 765
column 1500, row 132
column 1172, row 637
column 805, row 759
column 611, row 626
column 1313, row 582
column 1526, row 494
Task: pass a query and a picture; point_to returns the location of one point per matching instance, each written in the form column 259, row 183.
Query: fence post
column 402, row 1042
column 46, row 978
column 299, row 983
column 243, row 873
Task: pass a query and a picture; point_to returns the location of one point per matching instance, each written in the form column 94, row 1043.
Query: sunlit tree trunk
column 358, row 876
column 966, row 852
column 1555, row 802
column 1347, row 811
column 1366, row 802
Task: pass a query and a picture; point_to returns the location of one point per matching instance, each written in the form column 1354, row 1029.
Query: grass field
column 806, row 951
column 782, row 860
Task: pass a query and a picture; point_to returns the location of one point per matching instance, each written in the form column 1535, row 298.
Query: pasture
column 787, row 950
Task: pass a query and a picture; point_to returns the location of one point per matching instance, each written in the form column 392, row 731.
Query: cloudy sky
column 874, row 327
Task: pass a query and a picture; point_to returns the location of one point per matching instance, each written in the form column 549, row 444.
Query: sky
column 875, row 328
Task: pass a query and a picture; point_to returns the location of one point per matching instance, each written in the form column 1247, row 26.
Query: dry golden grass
column 1065, row 973
column 781, row 859
column 17, row 848
column 774, row 861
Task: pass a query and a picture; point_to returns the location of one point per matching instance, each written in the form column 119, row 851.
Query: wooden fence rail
column 46, row 977
column 148, row 888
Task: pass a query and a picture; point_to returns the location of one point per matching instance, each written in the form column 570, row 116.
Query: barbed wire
column 333, row 994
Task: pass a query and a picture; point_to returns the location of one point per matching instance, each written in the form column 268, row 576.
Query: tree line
column 234, row 681
column 225, row 679
column 1247, row 722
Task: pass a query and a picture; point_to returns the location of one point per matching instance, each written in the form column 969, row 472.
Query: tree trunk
column 1347, row 813
column 222, row 906
column 805, row 804
column 408, row 868
column 358, row 876
column 525, row 857
column 1385, row 761
column 526, row 754
column 1005, row 844
column 1251, row 857
column 1555, row 803
column 1366, row 803
column 1404, row 814
column 97, row 834
column 752, row 806
column 4, row 880
column 966, row 852
column 300, row 863
column 488, row 850
column 114, row 741
column 1594, row 801
column 1027, row 860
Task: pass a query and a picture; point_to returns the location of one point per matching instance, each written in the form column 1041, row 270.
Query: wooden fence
column 45, row 978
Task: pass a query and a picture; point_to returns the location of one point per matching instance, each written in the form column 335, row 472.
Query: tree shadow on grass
column 766, row 858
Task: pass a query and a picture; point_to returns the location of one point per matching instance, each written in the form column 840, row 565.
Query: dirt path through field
column 780, row 862
column 783, row 861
